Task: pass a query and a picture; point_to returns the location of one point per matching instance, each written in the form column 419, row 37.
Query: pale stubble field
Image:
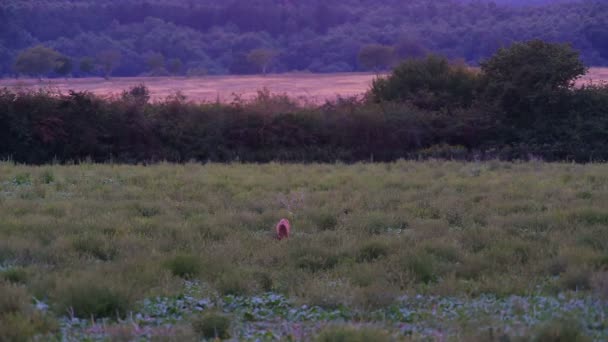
column 306, row 87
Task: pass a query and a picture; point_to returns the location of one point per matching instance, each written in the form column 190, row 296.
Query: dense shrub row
column 40, row 127
column 521, row 104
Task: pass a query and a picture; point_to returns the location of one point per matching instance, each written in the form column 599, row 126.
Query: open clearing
column 418, row 249
column 314, row 88
column 309, row 88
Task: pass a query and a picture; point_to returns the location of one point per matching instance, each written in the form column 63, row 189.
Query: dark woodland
column 186, row 37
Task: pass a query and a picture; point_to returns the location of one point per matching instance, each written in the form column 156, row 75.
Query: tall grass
column 94, row 239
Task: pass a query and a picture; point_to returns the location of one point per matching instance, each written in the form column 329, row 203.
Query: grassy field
column 407, row 250
column 305, row 87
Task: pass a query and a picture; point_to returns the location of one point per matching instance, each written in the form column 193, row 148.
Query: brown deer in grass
column 283, row 229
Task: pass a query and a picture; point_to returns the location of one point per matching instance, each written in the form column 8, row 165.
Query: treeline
column 428, row 107
column 162, row 37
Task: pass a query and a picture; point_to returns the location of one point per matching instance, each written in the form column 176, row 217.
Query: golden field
column 307, row 87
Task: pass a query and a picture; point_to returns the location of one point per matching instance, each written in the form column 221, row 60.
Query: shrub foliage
column 426, row 105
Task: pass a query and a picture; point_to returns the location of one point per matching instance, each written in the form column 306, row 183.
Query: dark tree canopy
column 63, row 66
column 528, row 74
column 315, row 35
column 87, row 65
column 376, row 57
column 428, row 83
column 262, row 58
column 108, row 60
column 37, row 61
column 175, row 66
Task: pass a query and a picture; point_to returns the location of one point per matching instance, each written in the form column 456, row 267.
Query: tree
column 261, row 58
column 63, row 66
column 526, row 79
column 407, row 47
column 175, row 66
column 37, row 61
column 430, row 83
column 156, row 63
column 139, row 94
column 108, row 60
column 87, row 65
column 376, row 57
column 598, row 36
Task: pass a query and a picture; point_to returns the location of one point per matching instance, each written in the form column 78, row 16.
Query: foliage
column 38, row 61
column 211, row 326
column 409, row 47
column 63, row 66
column 108, row 60
column 18, row 319
column 184, row 266
column 87, row 65
column 429, row 83
column 528, row 79
column 372, row 250
column 561, row 330
column 84, row 299
column 318, row 36
column 175, row 66
column 261, row 58
column 156, row 64
column 428, row 108
column 376, row 57
column 14, row 275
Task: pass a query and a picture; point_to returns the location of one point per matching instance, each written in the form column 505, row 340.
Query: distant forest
column 197, row 37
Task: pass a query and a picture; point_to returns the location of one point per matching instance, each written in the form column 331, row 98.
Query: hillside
column 200, row 37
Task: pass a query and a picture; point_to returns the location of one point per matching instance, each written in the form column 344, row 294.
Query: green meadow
column 395, row 251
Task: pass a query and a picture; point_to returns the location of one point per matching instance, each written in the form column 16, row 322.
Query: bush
column 18, row 320
column 528, row 79
column 233, row 283
column 147, row 211
column 371, row 251
column 434, row 111
column 314, row 259
column 325, row 221
column 473, row 267
column 19, row 327
column 561, row 330
column 376, row 296
column 13, row 299
column 375, row 223
column 14, row 275
column 576, row 279
column 95, row 247
column 422, row 267
column 599, row 284
column 430, row 83
column 86, row 300
column 351, row 334
column 47, row 177
column 184, row 266
column 212, row 325
column 22, row 179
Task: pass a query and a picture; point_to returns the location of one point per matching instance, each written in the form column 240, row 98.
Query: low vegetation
column 457, row 239
column 212, row 326
column 345, row 334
